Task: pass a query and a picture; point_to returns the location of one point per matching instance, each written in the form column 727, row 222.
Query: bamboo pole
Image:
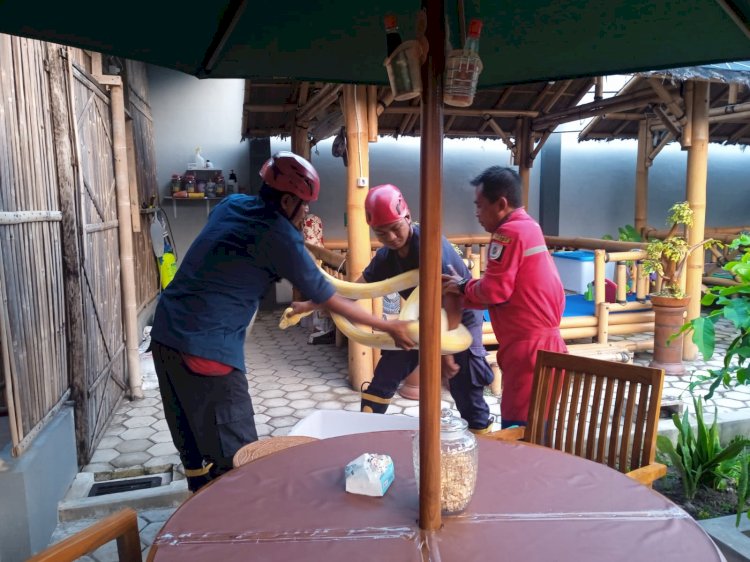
column 607, row 105
column 523, row 141
column 62, row 135
column 697, row 171
column 602, row 330
column 600, row 257
column 687, row 127
column 129, row 301
column 732, row 93
column 641, row 177
column 431, row 193
column 372, row 113
column 358, row 233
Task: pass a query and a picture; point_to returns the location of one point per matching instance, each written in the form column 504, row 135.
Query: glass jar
column 176, row 184
column 190, row 184
column 459, row 460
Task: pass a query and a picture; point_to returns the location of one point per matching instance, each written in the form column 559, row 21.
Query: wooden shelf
column 207, row 200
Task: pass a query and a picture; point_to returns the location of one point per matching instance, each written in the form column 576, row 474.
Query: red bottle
column 392, row 35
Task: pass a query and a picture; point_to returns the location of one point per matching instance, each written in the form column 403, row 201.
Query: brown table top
column 531, row 504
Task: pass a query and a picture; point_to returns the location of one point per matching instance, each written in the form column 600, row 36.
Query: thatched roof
column 271, row 109
column 729, row 116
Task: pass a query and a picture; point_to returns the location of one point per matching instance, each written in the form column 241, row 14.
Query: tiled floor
column 288, row 380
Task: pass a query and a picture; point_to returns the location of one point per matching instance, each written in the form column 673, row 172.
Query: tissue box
column 369, row 474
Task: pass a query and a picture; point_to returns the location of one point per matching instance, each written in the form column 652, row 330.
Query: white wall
column 188, row 113
column 598, row 186
column 597, row 179
column 397, row 162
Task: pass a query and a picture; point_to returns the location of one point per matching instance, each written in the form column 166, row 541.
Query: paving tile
column 161, row 437
column 275, row 393
column 138, row 433
column 142, row 411
column 104, row 455
column 142, row 421
column 284, row 421
column 162, row 463
column 161, row 449
column 299, row 395
column 280, row 411
column 275, row 402
column 130, row 459
column 331, row 405
column 109, row 442
column 134, row 445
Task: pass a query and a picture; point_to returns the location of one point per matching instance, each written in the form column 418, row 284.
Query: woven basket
column 258, row 449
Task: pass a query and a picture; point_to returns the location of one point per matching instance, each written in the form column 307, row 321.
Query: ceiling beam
column 737, row 16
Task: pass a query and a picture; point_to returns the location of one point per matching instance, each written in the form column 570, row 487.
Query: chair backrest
column 122, row 526
column 259, row 449
column 601, row 410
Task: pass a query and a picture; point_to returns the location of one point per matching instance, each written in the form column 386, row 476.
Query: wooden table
column 531, row 504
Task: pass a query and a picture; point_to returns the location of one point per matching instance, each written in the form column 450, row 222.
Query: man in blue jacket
column 201, row 319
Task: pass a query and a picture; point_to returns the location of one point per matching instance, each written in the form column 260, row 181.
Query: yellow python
column 451, row 341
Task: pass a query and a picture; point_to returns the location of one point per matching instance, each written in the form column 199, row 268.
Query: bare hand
column 302, row 307
column 450, row 284
column 449, row 367
column 399, row 331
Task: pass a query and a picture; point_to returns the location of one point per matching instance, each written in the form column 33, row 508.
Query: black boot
column 372, row 402
column 198, row 477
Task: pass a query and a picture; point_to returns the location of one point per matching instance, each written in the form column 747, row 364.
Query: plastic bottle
column 392, row 35
column 472, row 41
column 200, row 162
column 232, row 183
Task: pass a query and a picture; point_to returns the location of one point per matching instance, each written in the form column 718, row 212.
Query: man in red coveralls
column 520, row 287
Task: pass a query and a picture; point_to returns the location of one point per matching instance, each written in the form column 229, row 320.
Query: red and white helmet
column 287, row 172
column 385, row 204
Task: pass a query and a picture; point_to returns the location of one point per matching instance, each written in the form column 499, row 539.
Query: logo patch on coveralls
column 496, row 250
column 500, row 238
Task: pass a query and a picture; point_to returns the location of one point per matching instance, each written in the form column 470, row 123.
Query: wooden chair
column 122, row 526
column 264, row 447
column 601, row 410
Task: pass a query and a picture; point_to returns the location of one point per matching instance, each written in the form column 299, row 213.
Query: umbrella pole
column 430, row 214
column 641, row 178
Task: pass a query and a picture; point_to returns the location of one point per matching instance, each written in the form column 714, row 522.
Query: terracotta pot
column 669, row 316
column 410, row 387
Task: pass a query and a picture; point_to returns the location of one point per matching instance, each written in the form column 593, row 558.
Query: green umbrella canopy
column 344, row 40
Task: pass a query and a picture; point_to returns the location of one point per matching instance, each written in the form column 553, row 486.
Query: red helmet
column 287, row 172
column 384, row 204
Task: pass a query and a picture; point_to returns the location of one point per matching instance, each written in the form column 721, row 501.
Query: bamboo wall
column 57, row 201
column 32, row 314
column 144, row 180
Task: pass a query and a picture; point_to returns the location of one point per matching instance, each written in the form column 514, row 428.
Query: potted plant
column 732, row 304
column 667, row 259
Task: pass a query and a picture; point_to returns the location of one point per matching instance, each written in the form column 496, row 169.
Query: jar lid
column 450, row 424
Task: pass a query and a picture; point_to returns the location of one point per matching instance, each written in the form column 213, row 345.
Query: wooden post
column 372, row 113
column 430, row 258
column 523, row 145
column 697, row 171
column 358, row 233
column 641, row 177
column 127, row 272
column 66, row 185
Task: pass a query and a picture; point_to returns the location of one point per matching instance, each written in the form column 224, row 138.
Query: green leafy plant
column 668, row 257
column 626, row 233
column 698, row 455
column 733, row 304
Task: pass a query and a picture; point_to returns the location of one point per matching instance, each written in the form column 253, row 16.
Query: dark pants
column 467, row 387
column 210, row 417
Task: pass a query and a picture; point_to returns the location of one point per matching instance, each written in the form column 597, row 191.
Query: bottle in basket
column 392, row 35
column 463, row 68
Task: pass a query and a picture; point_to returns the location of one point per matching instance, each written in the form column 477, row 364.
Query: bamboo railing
column 631, row 316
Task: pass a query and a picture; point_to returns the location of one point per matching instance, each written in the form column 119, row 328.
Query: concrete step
column 77, row 505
